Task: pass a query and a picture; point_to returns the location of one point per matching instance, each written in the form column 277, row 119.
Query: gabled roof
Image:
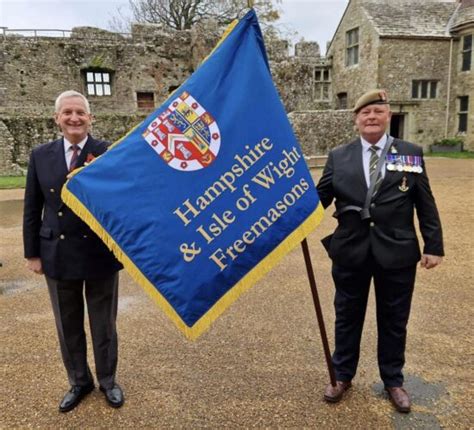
column 410, row 18
column 464, row 16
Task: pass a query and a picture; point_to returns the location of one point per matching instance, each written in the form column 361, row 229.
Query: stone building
column 421, row 53
column 419, row 50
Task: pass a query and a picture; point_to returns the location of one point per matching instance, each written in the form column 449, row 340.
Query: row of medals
column 404, row 163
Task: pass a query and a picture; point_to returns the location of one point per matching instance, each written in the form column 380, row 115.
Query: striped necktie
column 75, row 156
column 374, row 159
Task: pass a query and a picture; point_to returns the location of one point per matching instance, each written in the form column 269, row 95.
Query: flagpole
column 319, row 313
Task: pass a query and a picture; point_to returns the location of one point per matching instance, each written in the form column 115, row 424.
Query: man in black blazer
column 377, row 182
column 72, row 258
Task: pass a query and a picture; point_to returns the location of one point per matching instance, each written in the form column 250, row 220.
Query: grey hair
column 69, row 94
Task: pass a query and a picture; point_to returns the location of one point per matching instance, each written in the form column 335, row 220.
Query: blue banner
column 208, row 193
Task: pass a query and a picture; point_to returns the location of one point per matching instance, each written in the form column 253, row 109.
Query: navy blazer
column 390, row 233
column 67, row 247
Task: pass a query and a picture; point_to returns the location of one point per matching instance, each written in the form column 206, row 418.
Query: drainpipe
column 448, row 95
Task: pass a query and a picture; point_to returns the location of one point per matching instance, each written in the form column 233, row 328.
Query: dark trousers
column 67, row 299
column 393, row 293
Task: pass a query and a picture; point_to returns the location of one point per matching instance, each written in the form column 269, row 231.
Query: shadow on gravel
column 12, row 287
column 422, row 393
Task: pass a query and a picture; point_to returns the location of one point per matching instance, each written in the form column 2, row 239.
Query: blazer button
column 372, row 224
column 60, row 214
column 51, row 190
column 372, row 205
column 85, row 236
column 62, row 237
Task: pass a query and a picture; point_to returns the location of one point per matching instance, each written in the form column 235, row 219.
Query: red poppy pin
column 90, row 157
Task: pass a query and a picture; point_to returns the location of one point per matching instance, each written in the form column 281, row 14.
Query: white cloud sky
column 314, row 20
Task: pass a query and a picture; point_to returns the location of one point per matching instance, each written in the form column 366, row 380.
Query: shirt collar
column 68, row 144
column 381, row 143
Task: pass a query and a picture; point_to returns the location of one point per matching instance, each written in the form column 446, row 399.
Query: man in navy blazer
column 73, row 259
column 377, row 182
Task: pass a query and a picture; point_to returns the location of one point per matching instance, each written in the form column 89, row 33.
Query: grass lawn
column 464, row 154
column 7, row 182
column 12, row 182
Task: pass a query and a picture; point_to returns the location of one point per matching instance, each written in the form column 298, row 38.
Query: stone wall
column 298, row 87
column 317, row 132
column 37, row 69
column 320, row 131
column 34, row 70
column 422, row 59
column 19, row 135
column 7, row 149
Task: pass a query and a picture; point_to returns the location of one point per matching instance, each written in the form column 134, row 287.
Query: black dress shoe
column 74, row 396
column 114, row 396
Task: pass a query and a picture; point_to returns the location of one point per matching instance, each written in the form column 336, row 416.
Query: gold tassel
column 227, row 299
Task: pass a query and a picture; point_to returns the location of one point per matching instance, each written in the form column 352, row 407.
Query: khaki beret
column 371, row 97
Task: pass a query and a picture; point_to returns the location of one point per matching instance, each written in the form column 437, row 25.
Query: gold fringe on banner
column 228, row 298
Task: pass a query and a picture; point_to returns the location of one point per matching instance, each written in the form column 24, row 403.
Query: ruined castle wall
column 19, row 135
column 320, row 131
column 36, row 69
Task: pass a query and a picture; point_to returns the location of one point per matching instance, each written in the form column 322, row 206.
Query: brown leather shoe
column 399, row 398
column 334, row 394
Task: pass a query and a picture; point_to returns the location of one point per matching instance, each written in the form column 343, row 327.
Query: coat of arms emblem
column 184, row 135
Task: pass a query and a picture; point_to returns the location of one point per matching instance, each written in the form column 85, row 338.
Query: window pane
column 325, row 92
column 90, row 89
column 107, row 90
column 466, row 61
column 98, row 89
column 145, row 100
column 98, row 77
column 414, row 89
column 90, row 77
column 317, row 75
column 463, row 104
column 424, row 89
column 462, row 122
column 433, row 89
column 356, row 36
column 342, row 100
column 467, row 43
column 350, row 56
column 356, row 55
column 106, row 77
column 326, row 75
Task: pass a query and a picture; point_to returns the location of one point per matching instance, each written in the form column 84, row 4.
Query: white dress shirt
column 366, row 152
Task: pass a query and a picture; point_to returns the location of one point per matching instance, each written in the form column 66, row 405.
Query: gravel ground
column 261, row 364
